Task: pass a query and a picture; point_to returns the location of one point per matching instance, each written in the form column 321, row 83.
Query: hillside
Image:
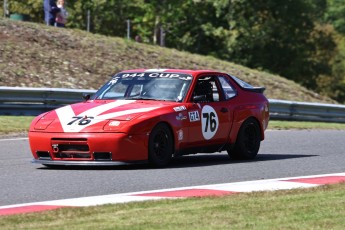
column 35, row 55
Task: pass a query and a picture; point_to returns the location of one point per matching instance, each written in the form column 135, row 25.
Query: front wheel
column 248, row 141
column 161, row 145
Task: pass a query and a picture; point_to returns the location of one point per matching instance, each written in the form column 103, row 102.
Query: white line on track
column 202, row 190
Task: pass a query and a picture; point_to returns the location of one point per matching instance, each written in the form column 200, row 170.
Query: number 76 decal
column 80, row 120
column 209, row 122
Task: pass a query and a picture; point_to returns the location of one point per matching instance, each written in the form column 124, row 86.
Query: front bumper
column 85, row 163
column 88, row 148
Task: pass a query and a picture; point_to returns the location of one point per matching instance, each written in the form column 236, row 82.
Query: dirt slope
column 35, row 55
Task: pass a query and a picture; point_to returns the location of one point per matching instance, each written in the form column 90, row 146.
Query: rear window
column 242, row 83
column 247, row 86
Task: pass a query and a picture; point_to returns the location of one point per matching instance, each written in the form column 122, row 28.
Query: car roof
column 186, row 71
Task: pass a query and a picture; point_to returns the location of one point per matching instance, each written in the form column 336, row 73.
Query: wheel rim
column 251, row 138
column 161, row 144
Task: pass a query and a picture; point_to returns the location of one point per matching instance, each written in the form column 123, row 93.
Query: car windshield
column 146, row 86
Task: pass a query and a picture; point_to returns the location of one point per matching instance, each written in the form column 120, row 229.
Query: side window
column 206, row 90
column 229, row 91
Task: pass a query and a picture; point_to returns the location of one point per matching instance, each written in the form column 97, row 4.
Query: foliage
column 279, row 36
column 33, row 8
column 336, row 14
column 334, row 85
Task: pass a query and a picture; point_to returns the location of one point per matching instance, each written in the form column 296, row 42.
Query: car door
column 210, row 114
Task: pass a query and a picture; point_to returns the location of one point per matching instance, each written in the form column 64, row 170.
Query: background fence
column 33, row 101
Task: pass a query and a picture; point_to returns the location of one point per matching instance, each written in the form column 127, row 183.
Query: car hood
column 93, row 116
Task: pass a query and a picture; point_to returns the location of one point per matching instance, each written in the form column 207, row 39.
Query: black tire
column 248, row 141
column 161, row 145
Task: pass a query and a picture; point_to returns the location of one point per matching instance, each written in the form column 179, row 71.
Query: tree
column 336, row 14
column 196, row 26
column 33, row 8
column 277, row 36
column 159, row 20
column 333, row 85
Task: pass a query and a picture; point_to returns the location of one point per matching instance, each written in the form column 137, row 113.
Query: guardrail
column 33, row 101
column 304, row 111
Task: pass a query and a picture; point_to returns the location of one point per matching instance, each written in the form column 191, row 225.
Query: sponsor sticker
column 180, row 108
column 154, row 75
column 194, row 116
column 180, row 117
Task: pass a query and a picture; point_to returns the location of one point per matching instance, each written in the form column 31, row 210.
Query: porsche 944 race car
column 152, row 115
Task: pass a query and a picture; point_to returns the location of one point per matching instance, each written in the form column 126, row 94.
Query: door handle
column 224, row 110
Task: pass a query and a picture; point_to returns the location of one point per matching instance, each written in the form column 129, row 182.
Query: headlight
column 42, row 124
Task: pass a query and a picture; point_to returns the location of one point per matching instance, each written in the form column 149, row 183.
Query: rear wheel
column 248, row 141
column 161, row 145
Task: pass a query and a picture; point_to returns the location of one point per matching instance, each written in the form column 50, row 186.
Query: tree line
column 302, row 40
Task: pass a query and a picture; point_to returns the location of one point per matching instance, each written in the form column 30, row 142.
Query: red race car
column 153, row 115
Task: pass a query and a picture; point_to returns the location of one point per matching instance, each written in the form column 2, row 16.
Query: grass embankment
column 316, row 208
column 20, row 124
column 35, row 55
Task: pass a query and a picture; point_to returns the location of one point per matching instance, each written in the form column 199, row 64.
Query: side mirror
column 86, row 96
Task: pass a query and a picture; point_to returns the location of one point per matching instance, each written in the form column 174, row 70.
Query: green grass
column 14, row 124
column 316, row 208
column 20, row 124
column 305, row 125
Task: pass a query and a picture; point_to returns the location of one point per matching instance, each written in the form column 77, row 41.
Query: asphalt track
column 282, row 154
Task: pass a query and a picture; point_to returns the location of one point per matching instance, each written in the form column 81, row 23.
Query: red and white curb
column 193, row 191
